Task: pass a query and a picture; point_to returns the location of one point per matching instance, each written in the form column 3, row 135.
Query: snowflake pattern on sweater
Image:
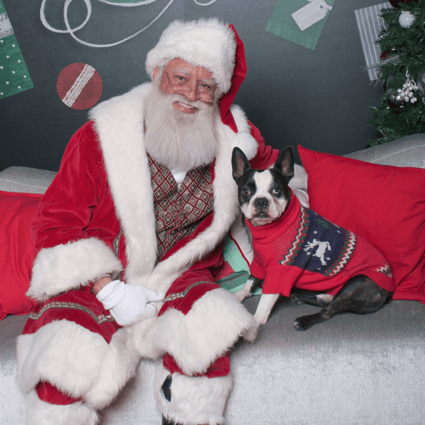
column 320, row 246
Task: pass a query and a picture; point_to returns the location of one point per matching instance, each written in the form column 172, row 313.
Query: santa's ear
column 285, row 163
column 240, row 163
column 155, row 72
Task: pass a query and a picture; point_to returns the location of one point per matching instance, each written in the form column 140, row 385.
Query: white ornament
column 408, row 88
column 311, row 13
column 406, row 19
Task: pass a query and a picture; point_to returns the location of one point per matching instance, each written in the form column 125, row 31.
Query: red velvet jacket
column 98, row 216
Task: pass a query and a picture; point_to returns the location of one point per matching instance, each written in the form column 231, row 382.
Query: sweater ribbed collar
column 269, row 232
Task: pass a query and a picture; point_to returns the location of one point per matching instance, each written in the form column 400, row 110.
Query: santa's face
column 191, row 82
column 180, row 115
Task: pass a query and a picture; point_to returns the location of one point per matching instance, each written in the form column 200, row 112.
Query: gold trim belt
column 73, row 306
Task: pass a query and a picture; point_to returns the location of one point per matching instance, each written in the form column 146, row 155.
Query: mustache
column 175, row 97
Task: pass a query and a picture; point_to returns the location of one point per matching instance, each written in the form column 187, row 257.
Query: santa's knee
column 196, row 337
column 41, row 411
column 75, row 362
column 49, row 406
column 191, row 400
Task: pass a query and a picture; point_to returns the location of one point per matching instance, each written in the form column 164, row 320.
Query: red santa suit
column 304, row 250
column 101, row 215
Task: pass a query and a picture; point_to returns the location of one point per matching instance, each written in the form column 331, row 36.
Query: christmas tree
column 402, row 72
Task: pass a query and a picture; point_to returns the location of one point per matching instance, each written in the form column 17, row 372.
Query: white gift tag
column 311, row 13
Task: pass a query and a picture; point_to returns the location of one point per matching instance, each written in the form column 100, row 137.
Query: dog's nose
column 261, row 203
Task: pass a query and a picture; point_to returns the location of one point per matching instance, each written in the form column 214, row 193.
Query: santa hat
column 209, row 44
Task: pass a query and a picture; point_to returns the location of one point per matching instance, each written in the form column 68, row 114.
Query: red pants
column 82, row 307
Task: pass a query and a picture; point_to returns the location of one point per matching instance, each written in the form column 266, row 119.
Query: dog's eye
column 246, row 191
column 276, row 191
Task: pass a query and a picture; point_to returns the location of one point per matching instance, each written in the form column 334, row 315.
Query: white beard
column 174, row 138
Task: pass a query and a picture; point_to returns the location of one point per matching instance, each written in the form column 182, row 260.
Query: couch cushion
column 383, row 204
column 351, row 370
column 363, row 370
column 16, row 250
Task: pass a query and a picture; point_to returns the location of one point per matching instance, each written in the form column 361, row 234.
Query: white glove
column 129, row 304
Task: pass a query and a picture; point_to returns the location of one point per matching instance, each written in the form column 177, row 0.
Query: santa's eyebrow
column 184, row 71
column 209, row 81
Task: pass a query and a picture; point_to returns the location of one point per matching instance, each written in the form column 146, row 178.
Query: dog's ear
column 240, row 163
column 285, row 163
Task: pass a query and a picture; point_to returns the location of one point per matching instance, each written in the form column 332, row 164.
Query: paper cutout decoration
column 284, row 25
column 313, row 12
column 370, row 23
column 14, row 75
column 123, row 3
column 79, row 86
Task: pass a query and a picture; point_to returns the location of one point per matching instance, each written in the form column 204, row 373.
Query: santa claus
column 129, row 240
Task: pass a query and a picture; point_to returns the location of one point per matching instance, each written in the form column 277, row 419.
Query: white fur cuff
column 69, row 266
column 76, row 361
column 194, row 400
column 210, row 329
column 43, row 413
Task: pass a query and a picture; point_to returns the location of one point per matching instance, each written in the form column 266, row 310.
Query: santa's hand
column 129, row 304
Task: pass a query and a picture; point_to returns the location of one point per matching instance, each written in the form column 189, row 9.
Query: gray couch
column 350, row 370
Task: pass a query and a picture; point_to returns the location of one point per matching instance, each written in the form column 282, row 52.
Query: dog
column 301, row 255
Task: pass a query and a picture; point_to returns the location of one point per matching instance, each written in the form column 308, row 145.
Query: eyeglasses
column 180, row 84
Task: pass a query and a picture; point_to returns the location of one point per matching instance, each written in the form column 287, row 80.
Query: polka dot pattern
column 14, row 75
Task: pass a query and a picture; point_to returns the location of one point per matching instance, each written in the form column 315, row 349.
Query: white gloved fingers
column 129, row 304
column 152, row 296
column 150, row 311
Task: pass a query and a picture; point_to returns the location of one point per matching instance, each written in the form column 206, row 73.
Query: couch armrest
column 24, row 179
column 408, row 151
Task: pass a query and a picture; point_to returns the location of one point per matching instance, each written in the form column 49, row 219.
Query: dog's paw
column 261, row 319
column 295, row 299
column 303, row 323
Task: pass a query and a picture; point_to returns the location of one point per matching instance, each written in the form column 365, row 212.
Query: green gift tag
column 14, row 75
column 283, row 24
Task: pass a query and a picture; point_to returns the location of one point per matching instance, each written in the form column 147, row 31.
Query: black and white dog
column 310, row 252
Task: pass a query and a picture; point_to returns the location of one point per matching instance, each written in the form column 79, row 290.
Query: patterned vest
column 178, row 211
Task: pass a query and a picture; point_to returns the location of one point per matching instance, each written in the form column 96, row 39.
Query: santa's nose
column 191, row 95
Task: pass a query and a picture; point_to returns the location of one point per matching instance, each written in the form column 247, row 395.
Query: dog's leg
column 267, row 301
column 359, row 295
column 250, row 286
column 310, row 297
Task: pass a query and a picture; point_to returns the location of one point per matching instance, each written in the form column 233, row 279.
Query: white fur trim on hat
column 209, row 44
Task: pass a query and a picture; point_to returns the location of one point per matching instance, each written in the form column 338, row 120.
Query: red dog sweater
column 305, row 250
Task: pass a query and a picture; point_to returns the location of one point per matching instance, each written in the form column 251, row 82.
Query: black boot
column 166, row 390
column 167, row 422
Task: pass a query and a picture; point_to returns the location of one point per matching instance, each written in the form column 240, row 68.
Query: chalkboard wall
column 317, row 98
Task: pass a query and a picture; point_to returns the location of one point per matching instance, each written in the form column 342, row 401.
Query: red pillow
column 383, row 204
column 16, row 250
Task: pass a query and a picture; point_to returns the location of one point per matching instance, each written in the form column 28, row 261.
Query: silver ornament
column 394, row 99
column 406, row 19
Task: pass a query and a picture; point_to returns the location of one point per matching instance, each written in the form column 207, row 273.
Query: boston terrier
column 301, row 255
